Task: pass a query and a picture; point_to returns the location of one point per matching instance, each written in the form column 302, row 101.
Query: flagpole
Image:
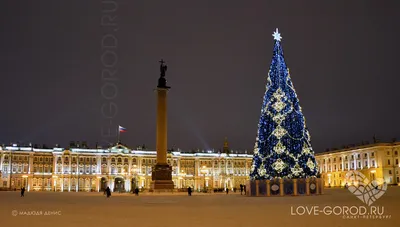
column 118, row 135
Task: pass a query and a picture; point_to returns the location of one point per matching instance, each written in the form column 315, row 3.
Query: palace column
column 162, row 171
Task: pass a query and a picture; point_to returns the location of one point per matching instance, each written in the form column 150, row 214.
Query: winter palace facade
column 123, row 169
column 118, row 167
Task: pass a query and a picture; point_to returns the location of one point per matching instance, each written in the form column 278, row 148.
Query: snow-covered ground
column 162, row 210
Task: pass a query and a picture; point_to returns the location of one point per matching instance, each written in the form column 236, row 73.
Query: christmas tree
column 283, row 148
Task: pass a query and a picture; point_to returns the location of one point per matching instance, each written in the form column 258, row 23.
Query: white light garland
column 278, row 118
column 279, row 132
column 306, row 150
column 310, row 164
column 279, row 148
column 279, row 165
column 297, row 170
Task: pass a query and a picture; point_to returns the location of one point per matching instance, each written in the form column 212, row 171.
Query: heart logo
column 364, row 189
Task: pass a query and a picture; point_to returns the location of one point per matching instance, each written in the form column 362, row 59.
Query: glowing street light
column 204, row 171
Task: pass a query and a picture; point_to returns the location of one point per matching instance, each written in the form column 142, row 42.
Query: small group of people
column 107, row 192
column 242, row 189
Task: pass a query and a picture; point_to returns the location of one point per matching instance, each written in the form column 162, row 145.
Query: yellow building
column 375, row 161
column 118, row 167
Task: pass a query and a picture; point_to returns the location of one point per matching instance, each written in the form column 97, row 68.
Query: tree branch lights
column 283, row 144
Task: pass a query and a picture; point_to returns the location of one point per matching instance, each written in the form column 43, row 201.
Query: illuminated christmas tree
column 283, row 148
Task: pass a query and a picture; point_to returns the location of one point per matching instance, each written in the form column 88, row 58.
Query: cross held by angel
column 163, row 68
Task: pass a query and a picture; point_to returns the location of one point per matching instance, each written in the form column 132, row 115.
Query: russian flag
column 121, row 129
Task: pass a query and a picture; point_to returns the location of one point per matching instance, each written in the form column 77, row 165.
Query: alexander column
column 162, row 172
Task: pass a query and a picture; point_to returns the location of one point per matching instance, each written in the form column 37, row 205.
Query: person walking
column 108, row 191
column 23, row 192
column 244, row 189
column 189, row 191
column 227, row 191
column 137, row 191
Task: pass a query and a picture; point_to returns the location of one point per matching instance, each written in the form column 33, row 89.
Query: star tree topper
column 277, row 36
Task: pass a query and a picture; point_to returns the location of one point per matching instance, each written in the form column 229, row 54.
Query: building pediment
column 119, row 149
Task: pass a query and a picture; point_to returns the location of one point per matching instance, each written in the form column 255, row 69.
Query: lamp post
column 183, row 174
column 204, row 171
column 135, row 174
column 55, row 182
column 25, row 181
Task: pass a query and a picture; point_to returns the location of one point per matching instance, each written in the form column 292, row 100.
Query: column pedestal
column 161, row 177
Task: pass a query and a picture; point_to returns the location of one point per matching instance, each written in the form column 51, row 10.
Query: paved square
column 159, row 210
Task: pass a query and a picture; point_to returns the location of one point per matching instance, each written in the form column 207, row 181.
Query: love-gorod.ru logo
column 364, row 189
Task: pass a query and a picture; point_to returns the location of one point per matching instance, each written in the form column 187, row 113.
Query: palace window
column 397, row 161
column 389, row 162
column 372, row 154
column 119, row 160
column 373, row 163
column 366, row 163
column 395, row 152
column 390, row 172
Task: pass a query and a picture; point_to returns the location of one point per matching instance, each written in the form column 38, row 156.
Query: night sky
column 342, row 55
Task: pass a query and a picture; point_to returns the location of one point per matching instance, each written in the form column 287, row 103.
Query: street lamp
column 135, row 176
column 55, row 182
column 183, row 178
column 204, row 171
column 25, row 181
